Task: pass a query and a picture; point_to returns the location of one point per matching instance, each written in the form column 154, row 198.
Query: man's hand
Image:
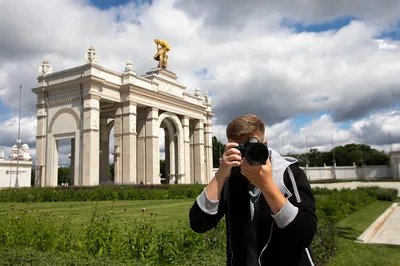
column 230, row 158
column 261, row 177
column 258, row 175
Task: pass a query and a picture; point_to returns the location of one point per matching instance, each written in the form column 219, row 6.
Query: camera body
column 255, row 151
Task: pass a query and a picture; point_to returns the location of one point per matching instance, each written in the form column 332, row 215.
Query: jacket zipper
column 270, row 236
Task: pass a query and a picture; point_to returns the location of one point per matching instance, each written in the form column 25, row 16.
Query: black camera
column 255, row 151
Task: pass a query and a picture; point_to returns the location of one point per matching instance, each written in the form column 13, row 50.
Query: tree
column 33, row 176
column 344, row 155
column 359, row 154
column 218, row 150
column 111, row 173
column 302, row 158
column 162, row 169
column 64, row 175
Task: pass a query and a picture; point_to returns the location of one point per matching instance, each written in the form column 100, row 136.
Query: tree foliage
column 64, row 175
column 218, row 150
column 345, row 155
column 360, row 154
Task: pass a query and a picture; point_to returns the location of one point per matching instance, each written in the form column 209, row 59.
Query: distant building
column 8, row 167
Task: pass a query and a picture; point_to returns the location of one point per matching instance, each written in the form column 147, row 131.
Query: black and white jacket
column 254, row 235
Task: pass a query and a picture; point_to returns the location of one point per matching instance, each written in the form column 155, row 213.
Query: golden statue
column 161, row 56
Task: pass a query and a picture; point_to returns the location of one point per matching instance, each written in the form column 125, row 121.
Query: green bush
column 30, row 256
column 101, row 193
column 161, row 192
column 325, row 243
column 135, row 241
column 386, row 194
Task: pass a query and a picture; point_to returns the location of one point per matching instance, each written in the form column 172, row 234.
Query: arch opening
column 62, row 164
column 171, row 149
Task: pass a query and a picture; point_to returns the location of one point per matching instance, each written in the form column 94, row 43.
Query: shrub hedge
column 101, row 193
column 142, row 192
column 137, row 242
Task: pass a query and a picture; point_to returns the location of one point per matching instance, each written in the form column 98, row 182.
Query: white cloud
column 233, row 12
column 323, row 134
column 346, row 72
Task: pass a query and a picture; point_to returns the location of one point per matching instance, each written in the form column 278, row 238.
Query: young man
column 269, row 209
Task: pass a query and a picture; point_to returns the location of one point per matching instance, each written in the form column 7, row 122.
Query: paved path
column 389, row 233
column 354, row 185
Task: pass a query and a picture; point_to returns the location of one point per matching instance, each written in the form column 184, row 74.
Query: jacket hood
column 279, row 165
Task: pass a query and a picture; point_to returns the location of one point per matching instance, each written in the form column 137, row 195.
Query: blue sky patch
column 201, row 72
column 392, row 33
column 331, row 25
column 4, row 112
column 322, row 99
column 106, row 4
column 346, row 125
column 302, row 120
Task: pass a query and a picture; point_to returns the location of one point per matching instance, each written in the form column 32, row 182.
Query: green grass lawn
column 168, row 211
column 352, row 253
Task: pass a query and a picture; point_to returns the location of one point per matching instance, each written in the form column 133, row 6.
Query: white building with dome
column 9, row 167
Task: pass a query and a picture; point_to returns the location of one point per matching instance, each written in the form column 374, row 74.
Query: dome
column 25, row 147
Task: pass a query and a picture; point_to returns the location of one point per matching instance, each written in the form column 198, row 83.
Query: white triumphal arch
column 85, row 103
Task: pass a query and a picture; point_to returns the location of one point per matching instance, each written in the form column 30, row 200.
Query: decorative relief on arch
column 132, row 124
column 41, row 113
column 63, row 102
column 91, row 103
column 94, row 119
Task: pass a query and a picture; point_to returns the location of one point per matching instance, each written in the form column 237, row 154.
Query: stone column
column 167, row 155
column 186, row 144
column 105, row 151
column 72, row 167
column 91, row 140
column 208, row 150
column 191, row 155
column 141, row 145
column 171, row 153
column 152, row 146
column 51, row 149
column 51, row 162
column 198, row 144
column 180, row 154
column 118, row 145
column 129, row 136
column 41, row 129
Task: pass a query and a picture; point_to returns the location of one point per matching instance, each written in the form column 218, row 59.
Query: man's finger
column 234, row 163
column 234, row 157
column 230, row 145
column 232, row 151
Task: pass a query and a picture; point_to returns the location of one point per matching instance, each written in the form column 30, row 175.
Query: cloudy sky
column 315, row 71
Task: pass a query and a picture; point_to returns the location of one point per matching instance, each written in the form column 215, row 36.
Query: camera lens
column 257, row 153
